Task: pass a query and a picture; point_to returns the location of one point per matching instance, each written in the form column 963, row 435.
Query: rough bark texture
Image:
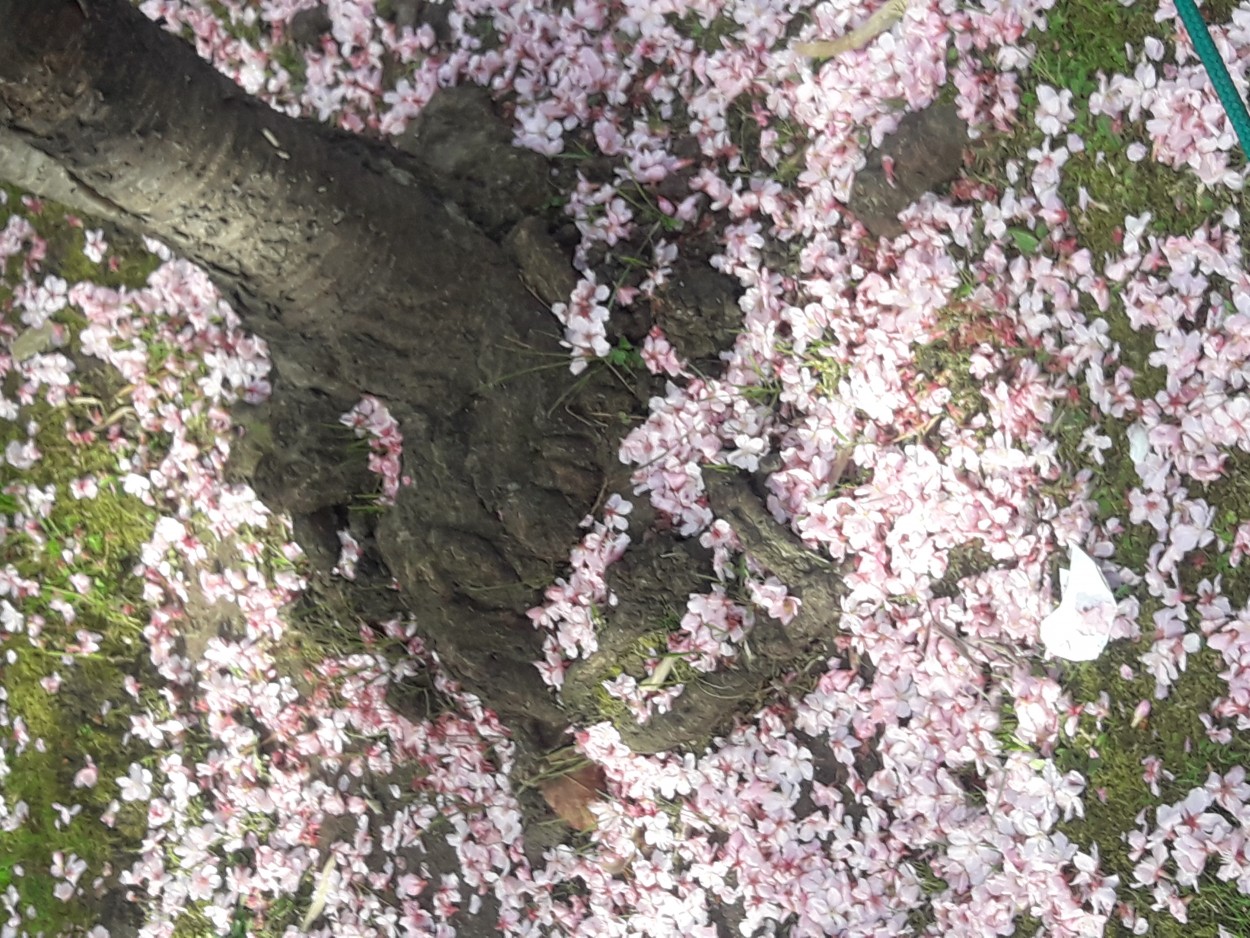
column 369, row 270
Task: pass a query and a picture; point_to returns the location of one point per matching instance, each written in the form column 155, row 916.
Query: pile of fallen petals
column 833, row 811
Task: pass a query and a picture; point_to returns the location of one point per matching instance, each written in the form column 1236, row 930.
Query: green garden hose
column 1233, row 105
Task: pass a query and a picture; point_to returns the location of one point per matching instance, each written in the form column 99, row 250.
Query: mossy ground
column 1083, row 39
column 88, row 718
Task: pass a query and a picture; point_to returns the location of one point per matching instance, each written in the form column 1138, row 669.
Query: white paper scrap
column 1080, row 628
column 1138, row 443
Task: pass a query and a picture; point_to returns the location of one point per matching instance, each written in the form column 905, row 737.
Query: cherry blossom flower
column 1054, row 109
column 137, row 785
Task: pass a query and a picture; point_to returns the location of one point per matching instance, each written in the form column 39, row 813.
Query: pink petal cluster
column 370, row 418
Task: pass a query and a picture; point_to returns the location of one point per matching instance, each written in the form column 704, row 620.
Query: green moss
column 1085, row 37
column 1230, row 497
column 823, row 360
column 1111, row 759
column 88, row 718
column 711, row 36
column 133, row 263
column 291, row 58
column 1217, row 12
column 1117, row 187
column 633, row 661
column 1082, row 40
column 947, row 361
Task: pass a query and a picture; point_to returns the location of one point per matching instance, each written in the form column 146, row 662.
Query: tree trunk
column 352, row 260
column 341, row 255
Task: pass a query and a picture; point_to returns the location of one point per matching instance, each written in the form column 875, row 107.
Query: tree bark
column 340, row 253
column 354, row 262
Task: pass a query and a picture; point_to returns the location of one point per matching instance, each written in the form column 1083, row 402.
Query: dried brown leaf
column 571, row 795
